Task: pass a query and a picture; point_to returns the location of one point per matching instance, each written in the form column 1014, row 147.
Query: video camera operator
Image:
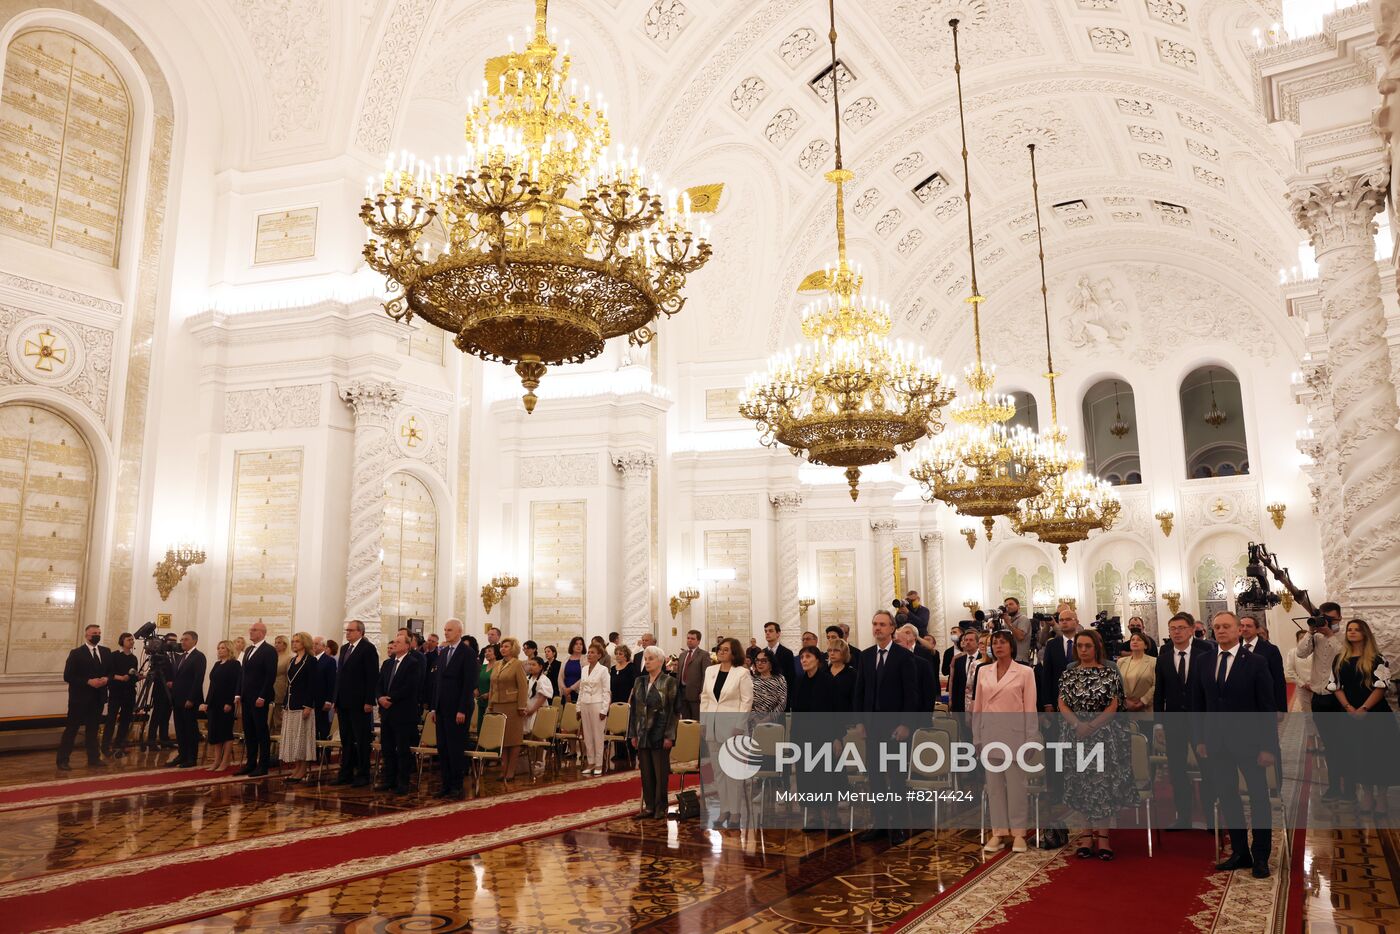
column 910, row 610
column 1321, row 646
column 1011, row 619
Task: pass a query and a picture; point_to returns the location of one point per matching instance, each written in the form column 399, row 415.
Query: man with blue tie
column 1245, row 742
column 1172, row 695
column 454, row 679
column 399, row 700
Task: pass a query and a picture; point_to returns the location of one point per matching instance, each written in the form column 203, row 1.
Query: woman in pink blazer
column 1003, row 711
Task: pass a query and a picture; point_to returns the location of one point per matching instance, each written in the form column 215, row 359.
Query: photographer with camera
column 910, row 611
column 1020, row 628
column 1320, row 648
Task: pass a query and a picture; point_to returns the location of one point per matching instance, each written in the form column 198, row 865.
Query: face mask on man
column 95, row 638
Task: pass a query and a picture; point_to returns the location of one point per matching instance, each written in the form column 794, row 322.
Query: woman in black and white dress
column 303, row 698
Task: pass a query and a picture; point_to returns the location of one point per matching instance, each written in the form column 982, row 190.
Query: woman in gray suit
column 651, row 729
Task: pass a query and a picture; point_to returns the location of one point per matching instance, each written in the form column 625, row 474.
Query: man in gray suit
column 690, row 671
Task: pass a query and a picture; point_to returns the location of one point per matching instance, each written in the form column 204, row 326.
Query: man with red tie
column 690, row 669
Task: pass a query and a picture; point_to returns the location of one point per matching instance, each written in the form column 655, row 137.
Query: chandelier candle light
column 848, row 397
column 982, row 467
column 1072, row 503
column 548, row 239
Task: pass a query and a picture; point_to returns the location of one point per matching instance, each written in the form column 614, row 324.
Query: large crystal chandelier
column 848, row 397
column 1072, row 503
column 983, row 466
column 552, row 240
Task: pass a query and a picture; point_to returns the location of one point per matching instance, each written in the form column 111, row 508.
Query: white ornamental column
column 787, row 505
column 1324, row 477
column 933, row 582
column 373, row 403
column 884, row 560
column 1338, row 212
column 636, row 468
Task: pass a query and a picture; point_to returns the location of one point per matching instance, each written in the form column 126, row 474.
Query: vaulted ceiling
column 1152, row 151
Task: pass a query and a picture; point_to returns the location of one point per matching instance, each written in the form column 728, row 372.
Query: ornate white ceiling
column 1150, row 144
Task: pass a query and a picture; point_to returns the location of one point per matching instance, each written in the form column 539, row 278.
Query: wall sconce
column 969, row 533
column 804, row 604
column 1285, row 599
column 1276, row 511
column 494, row 592
column 1173, row 598
column 682, row 600
column 972, row 606
column 171, row 569
column 1165, row 517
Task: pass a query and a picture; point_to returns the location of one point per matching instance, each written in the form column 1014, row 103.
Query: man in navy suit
column 887, row 692
column 354, row 700
column 1237, row 682
column 1255, row 643
column 454, row 679
column 325, row 672
column 784, row 662
column 86, row 671
column 186, row 694
column 399, row 696
column 963, row 667
column 1058, row 655
column 1177, row 661
column 908, row 637
column 256, row 678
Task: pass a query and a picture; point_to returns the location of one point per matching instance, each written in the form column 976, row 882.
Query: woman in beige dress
column 510, row 689
column 1139, row 673
column 279, row 686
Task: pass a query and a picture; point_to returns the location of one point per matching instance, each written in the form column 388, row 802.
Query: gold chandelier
column 983, row 466
column 552, row 240
column 1072, row 503
column 849, row 397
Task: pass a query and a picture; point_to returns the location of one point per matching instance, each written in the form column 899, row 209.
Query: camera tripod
column 151, row 676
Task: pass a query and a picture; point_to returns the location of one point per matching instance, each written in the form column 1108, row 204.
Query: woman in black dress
column 843, row 674
column 1360, row 677
column 218, row 705
column 814, row 700
column 552, row 667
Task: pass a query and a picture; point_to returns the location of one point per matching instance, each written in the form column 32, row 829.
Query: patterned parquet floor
column 621, row 875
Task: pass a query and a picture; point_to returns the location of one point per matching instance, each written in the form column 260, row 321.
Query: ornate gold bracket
column 494, row 592
column 171, row 569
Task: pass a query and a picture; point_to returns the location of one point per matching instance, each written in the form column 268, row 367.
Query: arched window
column 1026, row 414
column 65, row 132
column 1043, row 598
column 1212, row 424
column 45, row 523
column 1142, row 596
column 1013, row 584
column 409, row 574
column 1111, row 433
column 1108, row 590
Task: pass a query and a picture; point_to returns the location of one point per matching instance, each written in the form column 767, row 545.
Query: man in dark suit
column 784, row 662
column 454, row 679
column 886, row 692
column 397, row 693
column 962, row 669
column 908, row 637
column 186, row 694
column 1136, row 627
column 255, row 687
column 690, row 670
column 325, row 674
column 86, row 673
column 1172, row 696
column 1237, row 684
column 354, row 701
column 1058, row 655
column 1253, row 642
column 157, row 735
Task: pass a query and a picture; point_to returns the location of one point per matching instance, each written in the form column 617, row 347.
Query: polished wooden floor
column 620, row 875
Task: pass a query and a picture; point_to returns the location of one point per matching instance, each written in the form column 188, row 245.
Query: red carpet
column 184, row 884
column 104, row 786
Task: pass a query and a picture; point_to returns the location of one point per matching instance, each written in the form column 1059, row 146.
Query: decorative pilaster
column 636, row 468
column 787, row 505
column 884, row 559
column 1338, row 212
column 933, row 581
column 373, row 403
column 1325, row 477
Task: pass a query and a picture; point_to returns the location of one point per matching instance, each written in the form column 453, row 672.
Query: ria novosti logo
column 740, row 757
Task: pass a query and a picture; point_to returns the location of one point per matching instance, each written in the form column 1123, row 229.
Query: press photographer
column 910, row 610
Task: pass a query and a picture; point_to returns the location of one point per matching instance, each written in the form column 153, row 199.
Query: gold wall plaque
column 722, row 404
column 264, row 537
column 285, row 236
column 558, row 565
column 729, row 604
column 836, row 588
column 408, row 588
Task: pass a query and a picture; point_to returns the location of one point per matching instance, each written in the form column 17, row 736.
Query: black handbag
column 687, row 805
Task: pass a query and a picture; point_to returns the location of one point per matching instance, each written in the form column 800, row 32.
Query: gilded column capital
column 1339, row 209
column 885, row 526
column 372, row 399
column 930, row 538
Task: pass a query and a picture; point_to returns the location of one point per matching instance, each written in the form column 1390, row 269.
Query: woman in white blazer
column 725, row 700
column 594, row 692
column 1003, row 711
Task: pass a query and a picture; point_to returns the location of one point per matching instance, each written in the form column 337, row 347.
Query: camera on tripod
column 153, row 644
column 1110, row 630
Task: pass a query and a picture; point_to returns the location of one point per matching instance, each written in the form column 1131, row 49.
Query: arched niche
column 1026, row 413
column 1212, row 424
column 47, row 499
column 1217, row 565
column 409, row 567
column 1111, row 432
